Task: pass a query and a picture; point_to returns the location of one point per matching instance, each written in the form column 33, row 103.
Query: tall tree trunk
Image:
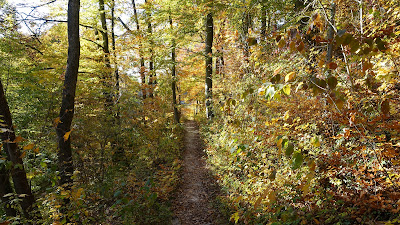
column 142, row 68
column 152, row 74
column 173, row 84
column 119, row 151
column 68, row 100
column 208, row 54
column 113, row 48
column 18, row 173
column 106, row 50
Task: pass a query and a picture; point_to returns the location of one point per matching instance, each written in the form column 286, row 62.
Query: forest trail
column 197, row 191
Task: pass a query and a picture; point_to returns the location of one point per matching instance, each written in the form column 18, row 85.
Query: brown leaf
column 332, row 65
column 300, row 47
column 385, row 108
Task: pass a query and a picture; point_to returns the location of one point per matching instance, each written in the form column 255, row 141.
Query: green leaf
column 315, row 142
column 380, row 44
column 289, row 149
column 298, row 160
column 332, row 82
column 272, row 176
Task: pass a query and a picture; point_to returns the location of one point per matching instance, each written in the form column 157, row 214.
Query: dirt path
column 192, row 205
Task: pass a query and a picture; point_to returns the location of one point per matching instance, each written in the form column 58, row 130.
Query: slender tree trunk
column 219, row 62
column 18, row 173
column 113, row 48
column 119, row 151
column 263, row 21
column 246, row 23
column 152, row 74
column 142, row 67
column 173, row 84
column 208, row 54
column 330, row 34
column 106, row 50
column 68, row 100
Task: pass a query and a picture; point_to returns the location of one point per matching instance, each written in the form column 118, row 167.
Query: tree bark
column 68, row 100
column 173, row 71
column 263, row 21
column 208, row 55
column 330, row 34
column 113, row 48
column 5, row 188
column 106, row 50
column 18, row 173
column 142, row 67
column 152, row 74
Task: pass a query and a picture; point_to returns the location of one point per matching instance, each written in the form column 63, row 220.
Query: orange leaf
column 66, row 135
column 56, row 121
column 18, row 139
column 28, row 147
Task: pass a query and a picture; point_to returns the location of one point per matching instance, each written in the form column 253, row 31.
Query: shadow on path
column 197, row 191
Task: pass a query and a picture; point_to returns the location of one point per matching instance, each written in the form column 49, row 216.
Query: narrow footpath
column 197, row 191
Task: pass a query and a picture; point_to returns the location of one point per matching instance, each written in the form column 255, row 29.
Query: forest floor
column 195, row 202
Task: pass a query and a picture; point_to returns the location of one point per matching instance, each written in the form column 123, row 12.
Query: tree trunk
column 18, row 173
column 208, row 54
column 331, row 33
column 5, row 188
column 173, row 84
column 68, row 100
column 113, row 48
column 142, row 68
column 152, row 74
column 119, row 151
column 106, row 49
column 263, row 21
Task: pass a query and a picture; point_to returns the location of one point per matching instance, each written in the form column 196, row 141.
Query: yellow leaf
column 258, row 201
column 235, row 217
column 281, row 43
column 77, row 194
column 290, row 76
column 64, row 193
column 286, row 116
column 272, row 196
column 279, row 143
column 23, row 155
column 277, row 70
column 28, row 147
column 66, row 135
column 36, row 150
